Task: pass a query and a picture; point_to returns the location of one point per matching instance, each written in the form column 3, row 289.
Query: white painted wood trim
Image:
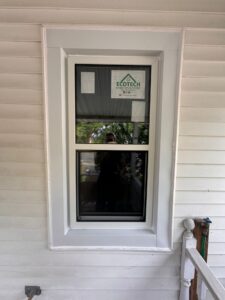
column 214, row 286
column 155, row 41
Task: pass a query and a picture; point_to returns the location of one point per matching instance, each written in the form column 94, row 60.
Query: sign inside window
column 97, row 113
column 128, row 84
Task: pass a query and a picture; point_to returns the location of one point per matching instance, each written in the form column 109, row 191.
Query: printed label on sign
column 87, row 82
column 127, row 84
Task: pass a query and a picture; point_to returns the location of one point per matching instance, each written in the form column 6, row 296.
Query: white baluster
column 201, row 288
column 187, row 268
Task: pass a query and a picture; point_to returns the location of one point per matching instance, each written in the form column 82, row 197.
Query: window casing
column 113, row 63
column 59, row 45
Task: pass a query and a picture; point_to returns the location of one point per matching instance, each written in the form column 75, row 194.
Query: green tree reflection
column 125, row 133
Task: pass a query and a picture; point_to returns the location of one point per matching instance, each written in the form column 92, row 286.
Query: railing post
column 187, row 268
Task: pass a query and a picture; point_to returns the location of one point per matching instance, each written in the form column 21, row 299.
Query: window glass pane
column 111, row 185
column 112, row 99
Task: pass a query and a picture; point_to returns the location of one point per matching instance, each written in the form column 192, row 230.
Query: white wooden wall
column 24, row 256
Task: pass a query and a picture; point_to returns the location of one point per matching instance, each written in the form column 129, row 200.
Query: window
column 111, row 157
column 111, row 110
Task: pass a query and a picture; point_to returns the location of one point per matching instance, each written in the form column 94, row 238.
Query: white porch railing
column 191, row 260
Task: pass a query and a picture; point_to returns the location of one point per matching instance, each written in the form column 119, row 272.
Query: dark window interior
column 111, row 184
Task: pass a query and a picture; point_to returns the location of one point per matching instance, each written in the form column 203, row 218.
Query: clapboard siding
column 192, row 170
column 210, row 53
column 90, row 272
column 24, row 255
column 201, row 143
column 20, row 65
column 20, row 96
column 200, row 170
column 204, row 68
column 201, row 184
column 10, row 196
column 174, row 5
column 22, row 210
column 217, row 249
column 21, row 222
column 50, row 258
column 201, row 157
column 116, row 17
column 199, row 210
column 201, row 197
column 20, row 49
column 69, row 283
column 21, row 33
column 22, row 235
column 21, row 81
column 14, row 111
column 50, row 294
column 21, row 169
column 196, row 83
column 197, row 114
column 23, row 126
column 203, row 99
column 21, row 155
column 202, row 129
column 24, row 183
column 21, row 140
column 205, row 37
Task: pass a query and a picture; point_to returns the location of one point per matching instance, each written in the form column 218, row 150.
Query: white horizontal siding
column 21, row 155
column 205, row 37
column 200, row 170
column 24, row 256
column 25, row 126
column 21, row 140
column 20, row 65
column 20, row 81
column 116, row 17
column 21, row 33
column 20, row 49
column 203, row 99
column 202, row 129
column 204, row 68
column 201, row 157
column 50, row 294
column 173, row 5
column 21, row 169
column 209, row 84
column 209, row 53
column 197, row 114
column 201, row 143
column 14, row 111
column 200, row 197
column 20, row 96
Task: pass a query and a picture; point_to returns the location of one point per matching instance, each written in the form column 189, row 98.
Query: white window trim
column 58, row 43
column 121, row 60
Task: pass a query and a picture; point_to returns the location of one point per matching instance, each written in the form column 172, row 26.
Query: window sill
column 106, row 239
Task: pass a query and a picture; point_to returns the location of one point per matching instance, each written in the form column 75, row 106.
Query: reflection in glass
column 97, row 113
column 125, row 133
column 111, row 183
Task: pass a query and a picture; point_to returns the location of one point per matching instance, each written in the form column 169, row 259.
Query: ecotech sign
column 127, row 84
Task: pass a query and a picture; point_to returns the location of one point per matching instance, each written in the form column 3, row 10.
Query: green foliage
column 95, row 132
